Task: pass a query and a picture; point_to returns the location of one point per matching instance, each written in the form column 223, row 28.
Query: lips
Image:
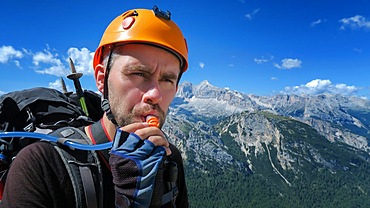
column 145, row 117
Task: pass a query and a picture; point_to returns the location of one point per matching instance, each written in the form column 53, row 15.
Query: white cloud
column 263, row 59
column 49, row 62
column 317, row 22
column 57, row 84
column 274, row 78
column 53, row 65
column 319, row 86
column 355, row 22
column 201, row 65
column 289, row 63
column 56, row 70
column 251, row 15
column 82, row 60
column 8, row 53
column 260, row 60
column 17, row 64
column 43, row 57
column 358, row 50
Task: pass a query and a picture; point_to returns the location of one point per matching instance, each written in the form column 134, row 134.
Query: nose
column 153, row 95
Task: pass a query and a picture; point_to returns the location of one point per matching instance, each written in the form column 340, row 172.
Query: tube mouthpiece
column 152, row 121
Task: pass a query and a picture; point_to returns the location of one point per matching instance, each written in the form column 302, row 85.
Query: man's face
column 142, row 82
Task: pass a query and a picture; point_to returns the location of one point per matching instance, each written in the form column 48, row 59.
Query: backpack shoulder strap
column 98, row 136
column 83, row 168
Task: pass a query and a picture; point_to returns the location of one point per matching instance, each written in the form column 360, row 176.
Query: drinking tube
column 51, row 138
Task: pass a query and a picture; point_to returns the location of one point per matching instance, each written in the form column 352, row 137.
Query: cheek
column 167, row 99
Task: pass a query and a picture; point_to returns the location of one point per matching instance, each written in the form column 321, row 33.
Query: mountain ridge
column 316, row 110
column 283, row 142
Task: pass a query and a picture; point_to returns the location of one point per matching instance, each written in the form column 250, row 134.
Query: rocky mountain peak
column 338, row 118
column 312, row 147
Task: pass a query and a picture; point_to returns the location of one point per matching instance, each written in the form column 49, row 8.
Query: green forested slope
column 341, row 180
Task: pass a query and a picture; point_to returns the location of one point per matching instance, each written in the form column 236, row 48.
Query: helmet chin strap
column 105, row 102
column 106, row 107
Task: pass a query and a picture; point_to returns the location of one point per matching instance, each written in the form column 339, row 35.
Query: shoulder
column 175, row 151
column 182, row 199
column 176, row 154
column 38, row 176
column 39, row 157
column 39, row 150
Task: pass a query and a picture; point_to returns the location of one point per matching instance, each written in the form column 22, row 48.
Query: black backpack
column 47, row 110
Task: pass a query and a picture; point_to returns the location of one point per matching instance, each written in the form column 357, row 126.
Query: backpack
column 47, row 110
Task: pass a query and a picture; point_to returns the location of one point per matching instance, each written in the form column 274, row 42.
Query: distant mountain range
column 244, row 150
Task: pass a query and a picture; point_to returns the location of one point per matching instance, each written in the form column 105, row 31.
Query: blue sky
column 260, row 47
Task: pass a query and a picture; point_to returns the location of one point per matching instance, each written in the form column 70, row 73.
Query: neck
column 109, row 126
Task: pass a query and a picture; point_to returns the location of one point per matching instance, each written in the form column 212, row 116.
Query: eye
column 139, row 74
column 169, row 80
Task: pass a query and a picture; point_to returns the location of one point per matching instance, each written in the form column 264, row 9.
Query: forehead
column 130, row 48
column 147, row 55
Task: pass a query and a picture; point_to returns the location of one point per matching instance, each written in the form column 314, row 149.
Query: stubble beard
column 124, row 118
column 118, row 110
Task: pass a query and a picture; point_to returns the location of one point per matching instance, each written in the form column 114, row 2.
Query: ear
column 100, row 77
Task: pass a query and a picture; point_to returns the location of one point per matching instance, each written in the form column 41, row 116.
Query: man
column 137, row 66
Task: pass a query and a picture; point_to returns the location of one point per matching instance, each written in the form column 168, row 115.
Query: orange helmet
column 153, row 27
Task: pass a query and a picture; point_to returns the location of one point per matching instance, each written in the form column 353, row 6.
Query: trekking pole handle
column 75, row 77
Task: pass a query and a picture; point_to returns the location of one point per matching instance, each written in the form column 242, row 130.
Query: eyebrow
column 142, row 68
column 136, row 67
column 170, row 75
